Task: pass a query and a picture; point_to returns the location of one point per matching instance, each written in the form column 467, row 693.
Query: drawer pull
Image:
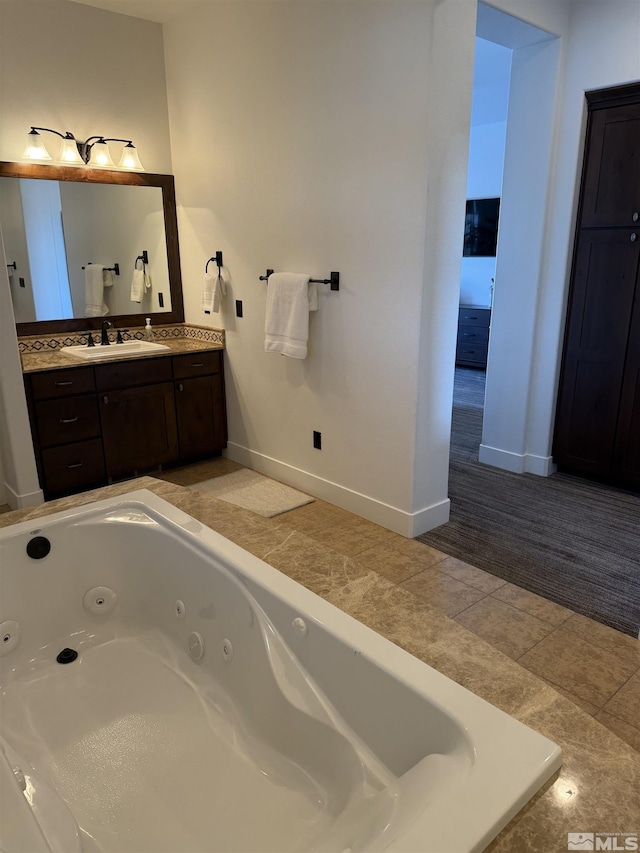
column 467, row 335
column 68, row 420
column 468, row 317
column 67, row 382
column 633, row 237
column 75, row 465
column 197, row 364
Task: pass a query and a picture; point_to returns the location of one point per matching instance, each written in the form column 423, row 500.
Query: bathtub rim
column 494, row 775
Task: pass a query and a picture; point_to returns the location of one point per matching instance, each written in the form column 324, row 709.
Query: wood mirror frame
column 104, row 176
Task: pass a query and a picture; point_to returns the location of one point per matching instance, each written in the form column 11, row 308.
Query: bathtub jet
column 219, row 706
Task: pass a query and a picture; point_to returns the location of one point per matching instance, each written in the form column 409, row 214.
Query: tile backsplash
column 46, row 343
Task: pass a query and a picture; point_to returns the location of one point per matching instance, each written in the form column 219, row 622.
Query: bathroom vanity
column 93, row 424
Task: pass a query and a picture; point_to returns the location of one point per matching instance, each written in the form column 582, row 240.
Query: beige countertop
column 34, row 362
column 598, row 787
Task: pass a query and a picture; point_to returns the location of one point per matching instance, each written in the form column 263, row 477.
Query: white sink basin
column 99, row 353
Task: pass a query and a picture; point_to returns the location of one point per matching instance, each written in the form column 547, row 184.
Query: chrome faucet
column 104, row 338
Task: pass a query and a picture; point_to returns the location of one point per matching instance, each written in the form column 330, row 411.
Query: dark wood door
column 602, row 297
column 611, row 189
column 200, row 412
column 626, row 459
column 138, row 428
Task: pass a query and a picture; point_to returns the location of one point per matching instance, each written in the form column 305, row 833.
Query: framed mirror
column 57, row 221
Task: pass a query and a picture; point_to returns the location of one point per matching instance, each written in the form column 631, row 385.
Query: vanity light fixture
column 94, row 151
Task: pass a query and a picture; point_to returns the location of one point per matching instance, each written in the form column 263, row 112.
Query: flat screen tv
column 481, row 228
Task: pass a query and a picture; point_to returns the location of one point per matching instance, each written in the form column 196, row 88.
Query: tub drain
column 67, row 656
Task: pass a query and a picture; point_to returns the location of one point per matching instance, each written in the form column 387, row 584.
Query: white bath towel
column 213, row 289
column 95, row 280
column 140, row 283
column 290, row 298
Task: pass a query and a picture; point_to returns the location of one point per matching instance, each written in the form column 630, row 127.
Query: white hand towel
column 94, row 281
column 137, row 285
column 290, row 298
column 214, row 287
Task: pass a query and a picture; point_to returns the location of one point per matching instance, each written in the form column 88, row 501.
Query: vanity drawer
column 73, row 466
column 70, row 419
column 61, row 383
column 197, row 364
column 126, row 374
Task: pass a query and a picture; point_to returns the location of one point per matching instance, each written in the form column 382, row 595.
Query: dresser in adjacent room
column 473, row 336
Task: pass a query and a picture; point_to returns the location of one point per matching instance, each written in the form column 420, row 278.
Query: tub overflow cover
column 67, row 656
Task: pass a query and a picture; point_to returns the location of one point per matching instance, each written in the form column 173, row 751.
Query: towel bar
column 218, row 260
column 115, row 268
column 334, row 281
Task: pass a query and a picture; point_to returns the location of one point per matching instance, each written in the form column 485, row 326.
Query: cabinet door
column 200, row 411
column 138, row 428
column 611, row 190
column 601, row 300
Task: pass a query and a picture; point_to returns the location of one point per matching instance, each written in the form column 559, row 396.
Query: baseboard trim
column 543, row 466
column 17, row 501
column 517, row 463
column 405, row 523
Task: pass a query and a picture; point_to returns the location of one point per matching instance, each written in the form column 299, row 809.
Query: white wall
column 72, row 67
column 301, row 142
column 12, row 224
column 484, row 180
column 19, row 484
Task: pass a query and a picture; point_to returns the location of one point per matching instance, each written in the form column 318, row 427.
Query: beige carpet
column 252, row 491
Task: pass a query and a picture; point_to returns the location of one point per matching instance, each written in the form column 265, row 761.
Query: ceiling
column 150, row 10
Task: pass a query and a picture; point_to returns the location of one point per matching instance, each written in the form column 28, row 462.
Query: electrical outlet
column 317, row 439
column 238, row 307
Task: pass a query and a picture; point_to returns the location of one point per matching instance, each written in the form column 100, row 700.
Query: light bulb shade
column 69, row 154
column 35, row 149
column 100, row 156
column 130, row 159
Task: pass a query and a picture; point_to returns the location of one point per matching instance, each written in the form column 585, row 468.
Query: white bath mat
column 250, row 490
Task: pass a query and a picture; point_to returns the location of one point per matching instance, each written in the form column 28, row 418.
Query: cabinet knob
column 105, row 400
column 633, row 237
column 635, row 216
column 180, row 386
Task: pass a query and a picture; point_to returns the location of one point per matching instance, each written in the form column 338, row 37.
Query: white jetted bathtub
column 164, row 690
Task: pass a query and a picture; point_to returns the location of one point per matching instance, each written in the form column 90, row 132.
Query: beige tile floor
column 596, row 667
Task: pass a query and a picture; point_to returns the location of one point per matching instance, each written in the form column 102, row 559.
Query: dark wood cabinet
column 139, row 429
column 199, row 390
column 66, row 429
column 473, row 336
column 109, row 421
column 598, row 412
